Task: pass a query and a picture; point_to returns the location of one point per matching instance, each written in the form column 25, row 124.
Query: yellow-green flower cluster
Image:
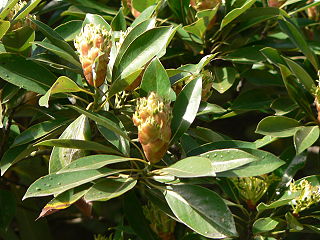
column 308, row 195
column 251, row 189
column 94, row 46
column 200, row 5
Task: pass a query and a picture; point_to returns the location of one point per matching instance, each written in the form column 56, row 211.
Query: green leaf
column 59, row 52
column 141, row 5
column 132, row 35
column 29, row 7
column 6, row 10
column 121, row 143
column 62, row 85
column 134, row 214
column 58, row 183
column 283, row 105
column 155, row 79
column 61, row 156
column 293, row 222
column 202, row 210
column 189, row 167
column 278, row 126
column 101, row 120
column 144, row 16
column 186, row 108
column 266, row 162
column 119, row 22
column 198, row 28
column 224, row 78
column 28, row 75
column 227, row 159
column 272, row 55
column 4, row 27
column 96, row 20
column 207, row 135
column 38, row 130
column 63, row 200
column 78, row 144
column 146, row 46
column 107, row 189
column 302, row 75
column 232, row 15
column 69, row 30
column 255, row 99
column 264, row 225
column 55, row 38
column 19, row 40
column 295, row 90
column 8, row 208
column 305, row 137
column 298, row 40
column 14, row 155
column 94, row 162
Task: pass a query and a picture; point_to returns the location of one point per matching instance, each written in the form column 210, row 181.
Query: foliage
column 142, row 115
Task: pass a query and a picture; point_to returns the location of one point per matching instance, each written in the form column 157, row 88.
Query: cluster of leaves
column 227, row 67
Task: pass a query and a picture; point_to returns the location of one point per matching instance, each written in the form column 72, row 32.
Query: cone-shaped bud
column 207, row 82
column 200, row 5
column 94, row 45
column 153, row 119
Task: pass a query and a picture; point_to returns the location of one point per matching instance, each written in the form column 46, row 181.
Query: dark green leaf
column 264, row 225
column 278, row 126
column 305, row 137
column 8, row 208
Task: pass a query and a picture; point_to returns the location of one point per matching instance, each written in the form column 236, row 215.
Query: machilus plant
column 116, row 114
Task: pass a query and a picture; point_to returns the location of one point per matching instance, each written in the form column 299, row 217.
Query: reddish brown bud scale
column 153, row 119
column 94, row 45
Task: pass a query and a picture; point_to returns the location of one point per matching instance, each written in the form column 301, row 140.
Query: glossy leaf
column 235, row 13
column 63, row 200
column 14, row 155
column 144, row 16
column 4, row 27
column 119, row 22
column 141, row 50
column 58, row 183
column 59, row 52
column 305, row 137
column 121, row 143
column 107, row 189
column 96, row 20
column 94, row 162
column 298, row 39
column 29, row 7
column 227, row 159
column 302, row 75
column 38, row 130
column 283, row 106
column 78, row 144
column 266, row 163
column 6, row 9
column 62, row 85
column 61, row 156
column 202, row 210
column 54, row 38
column 264, row 225
column 99, row 119
column 224, row 78
column 186, row 108
column 278, row 126
column 155, row 79
column 29, row 75
column 189, row 167
column 69, row 30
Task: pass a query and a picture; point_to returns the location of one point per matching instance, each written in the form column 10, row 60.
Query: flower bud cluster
column 93, row 45
column 308, row 195
column 251, row 189
column 153, row 119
